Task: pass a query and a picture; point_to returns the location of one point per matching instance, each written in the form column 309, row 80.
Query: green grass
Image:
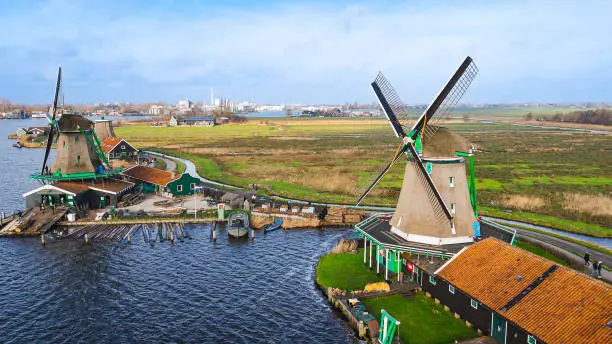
column 345, row 271
column 541, row 252
column 422, row 321
column 180, row 167
column 329, row 160
column 580, row 242
column 549, row 221
column 161, row 164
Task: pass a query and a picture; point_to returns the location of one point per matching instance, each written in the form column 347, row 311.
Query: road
column 566, row 245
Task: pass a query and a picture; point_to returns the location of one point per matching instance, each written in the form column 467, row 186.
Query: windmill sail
column 447, row 99
column 395, row 110
column 53, row 125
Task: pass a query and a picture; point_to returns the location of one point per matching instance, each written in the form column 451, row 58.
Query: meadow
column 525, row 170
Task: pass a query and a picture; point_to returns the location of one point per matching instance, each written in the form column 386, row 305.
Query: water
column 16, row 164
column 197, row 291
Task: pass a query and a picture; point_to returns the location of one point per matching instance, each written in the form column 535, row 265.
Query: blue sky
column 303, row 51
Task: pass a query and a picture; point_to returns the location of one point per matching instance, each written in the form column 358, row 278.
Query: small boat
column 17, row 145
column 273, row 226
column 238, row 224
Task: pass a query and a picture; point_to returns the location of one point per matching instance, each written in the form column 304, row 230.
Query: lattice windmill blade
column 386, row 167
column 53, row 125
column 447, row 98
column 395, row 110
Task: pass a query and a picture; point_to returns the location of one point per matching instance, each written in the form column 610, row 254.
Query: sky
column 308, row 52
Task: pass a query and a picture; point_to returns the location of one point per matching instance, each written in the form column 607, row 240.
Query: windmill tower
column 104, row 129
column 78, row 149
column 75, row 151
column 435, row 205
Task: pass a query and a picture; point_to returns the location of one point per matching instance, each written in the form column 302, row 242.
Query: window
column 192, row 186
column 451, row 181
column 531, row 339
column 64, row 143
column 78, row 159
column 122, row 147
column 76, row 139
column 179, row 188
column 453, row 208
column 111, row 155
column 451, row 289
column 432, row 280
column 474, row 303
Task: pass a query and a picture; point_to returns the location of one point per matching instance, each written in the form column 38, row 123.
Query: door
column 498, row 329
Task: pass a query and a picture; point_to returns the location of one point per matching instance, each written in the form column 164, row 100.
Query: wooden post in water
column 86, row 238
column 252, row 233
column 3, row 216
column 214, row 231
column 129, row 237
column 42, row 239
column 171, row 236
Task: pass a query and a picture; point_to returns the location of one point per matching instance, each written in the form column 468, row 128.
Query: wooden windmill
column 79, row 155
column 435, row 205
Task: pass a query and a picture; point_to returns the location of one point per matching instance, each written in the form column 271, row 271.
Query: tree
column 529, row 116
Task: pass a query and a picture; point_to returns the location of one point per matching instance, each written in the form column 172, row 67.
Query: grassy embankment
column 345, row 271
column 547, row 173
column 160, row 164
column 541, row 252
column 422, row 320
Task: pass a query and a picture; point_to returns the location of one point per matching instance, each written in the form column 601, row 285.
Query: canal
column 195, row 291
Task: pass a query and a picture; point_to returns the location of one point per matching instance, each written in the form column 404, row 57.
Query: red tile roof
column 109, row 143
column 151, row 175
column 567, row 307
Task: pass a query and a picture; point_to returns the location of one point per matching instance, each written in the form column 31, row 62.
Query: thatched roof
column 444, row 143
column 71, row 122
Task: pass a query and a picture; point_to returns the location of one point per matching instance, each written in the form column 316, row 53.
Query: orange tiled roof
column 109, row 143
column 151, row 175
column 567, row 307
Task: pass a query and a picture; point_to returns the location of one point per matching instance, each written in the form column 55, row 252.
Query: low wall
column 259, row 220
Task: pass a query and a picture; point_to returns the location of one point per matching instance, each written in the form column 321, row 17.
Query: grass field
column 545, row 172
column 541, row 252
column 345, row 271
column 422, row 321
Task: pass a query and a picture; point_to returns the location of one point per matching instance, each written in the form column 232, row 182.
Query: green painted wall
column 183, row 184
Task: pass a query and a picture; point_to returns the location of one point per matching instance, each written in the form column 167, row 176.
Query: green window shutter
column 531, row 339
column 474, row 303
column 451, row 289
column 432, row 280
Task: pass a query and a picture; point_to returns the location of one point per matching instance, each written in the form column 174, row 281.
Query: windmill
column 434, row 205
column 79, row 154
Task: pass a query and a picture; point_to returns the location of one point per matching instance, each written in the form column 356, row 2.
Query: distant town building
column 156, row 110
column 200, row 121
column 184, row 105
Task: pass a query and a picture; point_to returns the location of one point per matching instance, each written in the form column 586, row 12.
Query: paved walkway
column 575, row 248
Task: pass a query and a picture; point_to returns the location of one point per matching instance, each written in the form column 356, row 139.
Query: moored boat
column 17, row 145
column 238, row 224
column 273, row 226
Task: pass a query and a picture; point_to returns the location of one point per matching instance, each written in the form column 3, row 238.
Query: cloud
column 526, row 51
